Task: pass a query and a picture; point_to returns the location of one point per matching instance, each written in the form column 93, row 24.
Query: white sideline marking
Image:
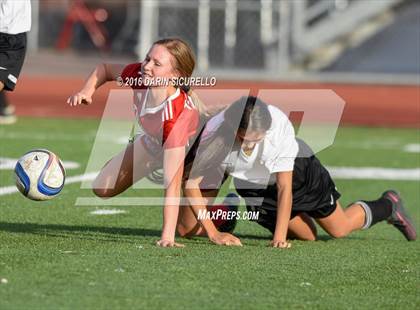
column 88, row 136
column 374, row 173
column 412, row 148
column 75, row 179
column 107, row 212
column 364, row 173
column 7, row 163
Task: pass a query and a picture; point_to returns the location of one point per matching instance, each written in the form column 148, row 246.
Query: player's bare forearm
column 173, row 169
column 99, row 76
column 283, row 215
column 198, row 204
column 171, row 208
column 284, row 206
column 103, row 73
column 170, row 216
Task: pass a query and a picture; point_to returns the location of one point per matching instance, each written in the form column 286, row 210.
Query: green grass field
column 56, row 255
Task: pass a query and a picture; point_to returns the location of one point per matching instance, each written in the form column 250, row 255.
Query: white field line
column 394, row 144
column 7, row 163
column 372, row 173
column 88, row 136
column 412, row 148
column 107, row 212
column 74, row 179
column 365, row 173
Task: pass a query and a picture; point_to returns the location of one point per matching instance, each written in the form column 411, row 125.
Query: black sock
column 381, row 209
column 3, row 100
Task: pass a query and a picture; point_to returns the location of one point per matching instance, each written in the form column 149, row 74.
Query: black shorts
column 12, row 55
column 314, row 193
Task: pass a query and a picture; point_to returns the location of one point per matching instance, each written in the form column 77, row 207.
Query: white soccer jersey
column 15, row 16
column 275, row 153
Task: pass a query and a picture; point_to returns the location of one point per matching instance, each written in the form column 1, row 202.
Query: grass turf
column 58, row 256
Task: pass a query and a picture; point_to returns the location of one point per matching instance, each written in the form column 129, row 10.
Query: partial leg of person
column 399, row 217
column 264, row 201
column 342, row 222
column 123, row 170
column 7, row 111
column 302, row 227
column 364, row 214
column 12, row 55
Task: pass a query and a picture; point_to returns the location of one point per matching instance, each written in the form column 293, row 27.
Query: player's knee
column 182, row 232
column 339, row 233
column 311, row 233
column 185, row 232
column 103, row 192
column 1, row 86
column 302, row 236
column 100, row 188
column 309, row 237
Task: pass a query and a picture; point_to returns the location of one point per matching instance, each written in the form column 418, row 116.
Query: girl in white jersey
column 279, row 176
column 15, row 22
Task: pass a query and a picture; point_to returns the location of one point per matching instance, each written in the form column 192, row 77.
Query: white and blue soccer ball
column 40, row 175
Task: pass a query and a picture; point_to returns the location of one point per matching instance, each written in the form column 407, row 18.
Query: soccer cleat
column 224, row 215
column 7, row 115
column 399, row 218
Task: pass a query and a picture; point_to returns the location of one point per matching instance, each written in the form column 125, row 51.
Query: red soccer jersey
column 172, row 122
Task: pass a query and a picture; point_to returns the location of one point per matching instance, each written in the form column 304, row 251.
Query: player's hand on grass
column 222, row 238
column 169, row 244
column 280, row 244
column 79, row 98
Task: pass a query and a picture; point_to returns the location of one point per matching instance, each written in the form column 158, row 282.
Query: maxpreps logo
column 225, row 215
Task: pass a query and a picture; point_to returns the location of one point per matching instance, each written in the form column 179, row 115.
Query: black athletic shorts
column 313, row 189
column 12, row 55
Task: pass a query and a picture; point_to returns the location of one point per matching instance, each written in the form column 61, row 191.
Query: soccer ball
column 39, row 175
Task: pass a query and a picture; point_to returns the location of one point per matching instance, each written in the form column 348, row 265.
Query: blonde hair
column 184, row 64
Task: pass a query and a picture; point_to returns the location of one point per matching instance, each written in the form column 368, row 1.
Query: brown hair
column 184, row 64
column 255, row 117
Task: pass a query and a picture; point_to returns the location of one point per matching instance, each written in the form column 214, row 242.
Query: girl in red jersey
column 168, row 117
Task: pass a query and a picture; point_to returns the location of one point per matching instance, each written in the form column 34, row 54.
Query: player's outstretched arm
column 284, row 208
column 102, row 74
column 198, row 204
column 173, row 163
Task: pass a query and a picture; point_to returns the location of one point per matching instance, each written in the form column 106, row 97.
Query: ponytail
column 199, row 104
